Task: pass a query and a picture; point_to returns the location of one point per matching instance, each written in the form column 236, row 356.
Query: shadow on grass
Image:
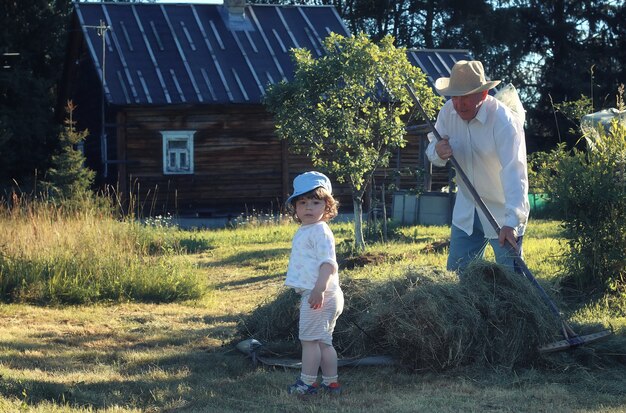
column 170, row 371
column 150, row 367
column 195, row 245
column 192, row 380
column 156, row 371
column 175, row 382
column 251, row 258
column 248, row 281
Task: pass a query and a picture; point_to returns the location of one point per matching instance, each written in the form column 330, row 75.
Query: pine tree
column 68, row 178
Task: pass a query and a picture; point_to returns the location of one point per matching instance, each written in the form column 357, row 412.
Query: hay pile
column 426, row 319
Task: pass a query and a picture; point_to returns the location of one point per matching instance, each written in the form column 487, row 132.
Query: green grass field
column 172, row 351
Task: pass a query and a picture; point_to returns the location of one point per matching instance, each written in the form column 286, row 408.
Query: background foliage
column 587, row 192
column 589, row 187
column 36, row 29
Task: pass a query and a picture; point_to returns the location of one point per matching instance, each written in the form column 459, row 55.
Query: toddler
column 313, row 273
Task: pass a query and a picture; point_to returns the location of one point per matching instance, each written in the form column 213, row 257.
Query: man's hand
column 316, row 299
column 443, row 148
column 507, row 234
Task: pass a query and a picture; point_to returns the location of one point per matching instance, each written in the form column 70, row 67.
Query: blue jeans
column 466, row 248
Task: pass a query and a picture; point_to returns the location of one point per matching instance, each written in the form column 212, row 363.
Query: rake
column 571, row 339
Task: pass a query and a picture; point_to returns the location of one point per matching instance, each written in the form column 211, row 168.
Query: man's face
column 467, row 106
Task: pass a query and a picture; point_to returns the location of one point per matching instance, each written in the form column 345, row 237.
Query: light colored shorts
column 319, row 324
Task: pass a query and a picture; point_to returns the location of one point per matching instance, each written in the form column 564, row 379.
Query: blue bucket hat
column 309, row 181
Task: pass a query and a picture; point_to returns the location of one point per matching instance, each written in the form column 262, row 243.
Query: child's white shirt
column 312, row 246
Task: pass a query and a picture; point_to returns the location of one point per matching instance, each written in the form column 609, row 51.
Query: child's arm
column 316, row 299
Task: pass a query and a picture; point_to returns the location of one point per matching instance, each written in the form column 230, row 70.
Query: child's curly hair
column 330, row 211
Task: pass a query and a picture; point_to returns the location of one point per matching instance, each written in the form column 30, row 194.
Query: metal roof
column 199, row 53
column 202, row 54
column 436, row 63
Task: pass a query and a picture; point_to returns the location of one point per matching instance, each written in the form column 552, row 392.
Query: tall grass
column 84, row 255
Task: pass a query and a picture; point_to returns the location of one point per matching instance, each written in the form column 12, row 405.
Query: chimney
column 233, row 14
column 235, row 8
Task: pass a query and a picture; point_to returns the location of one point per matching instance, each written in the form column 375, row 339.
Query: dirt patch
column 436, row 247
column 368, row 258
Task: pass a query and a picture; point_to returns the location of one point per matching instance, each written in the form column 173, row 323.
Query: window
column 177, row 152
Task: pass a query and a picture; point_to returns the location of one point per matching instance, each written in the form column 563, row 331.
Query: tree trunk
column 359, row 241
column 382, row 196
column 428, row 26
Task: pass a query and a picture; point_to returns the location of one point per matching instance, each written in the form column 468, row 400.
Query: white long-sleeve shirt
column 312, row 246
column 491, row 150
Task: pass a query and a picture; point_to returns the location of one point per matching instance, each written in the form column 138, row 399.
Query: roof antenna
column 101, row 30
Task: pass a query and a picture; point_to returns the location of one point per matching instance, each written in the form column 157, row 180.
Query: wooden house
column 171, row 95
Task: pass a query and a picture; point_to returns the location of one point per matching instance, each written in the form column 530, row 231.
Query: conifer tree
column 69, row 178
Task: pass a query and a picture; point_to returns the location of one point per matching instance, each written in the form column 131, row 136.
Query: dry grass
column 425, row 319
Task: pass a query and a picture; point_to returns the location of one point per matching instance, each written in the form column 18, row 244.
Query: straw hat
column 467, row 77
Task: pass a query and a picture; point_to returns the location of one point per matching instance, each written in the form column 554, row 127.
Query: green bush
column 589, row 188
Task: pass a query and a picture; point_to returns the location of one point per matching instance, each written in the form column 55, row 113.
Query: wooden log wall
column 240, row 166
column 237, row 159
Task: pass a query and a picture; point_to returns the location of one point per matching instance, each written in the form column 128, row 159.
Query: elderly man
column 487, row 141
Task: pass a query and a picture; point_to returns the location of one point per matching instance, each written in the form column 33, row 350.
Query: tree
column 68, row 178
column 347, row 109
column 582, row 52
column 33, row 30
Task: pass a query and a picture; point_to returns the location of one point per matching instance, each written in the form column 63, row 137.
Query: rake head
column 573, row 340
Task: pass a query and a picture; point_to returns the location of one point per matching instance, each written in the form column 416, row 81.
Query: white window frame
column 178, row 135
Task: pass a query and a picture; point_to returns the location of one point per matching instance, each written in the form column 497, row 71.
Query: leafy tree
column 345, row 110
column 68, row 178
